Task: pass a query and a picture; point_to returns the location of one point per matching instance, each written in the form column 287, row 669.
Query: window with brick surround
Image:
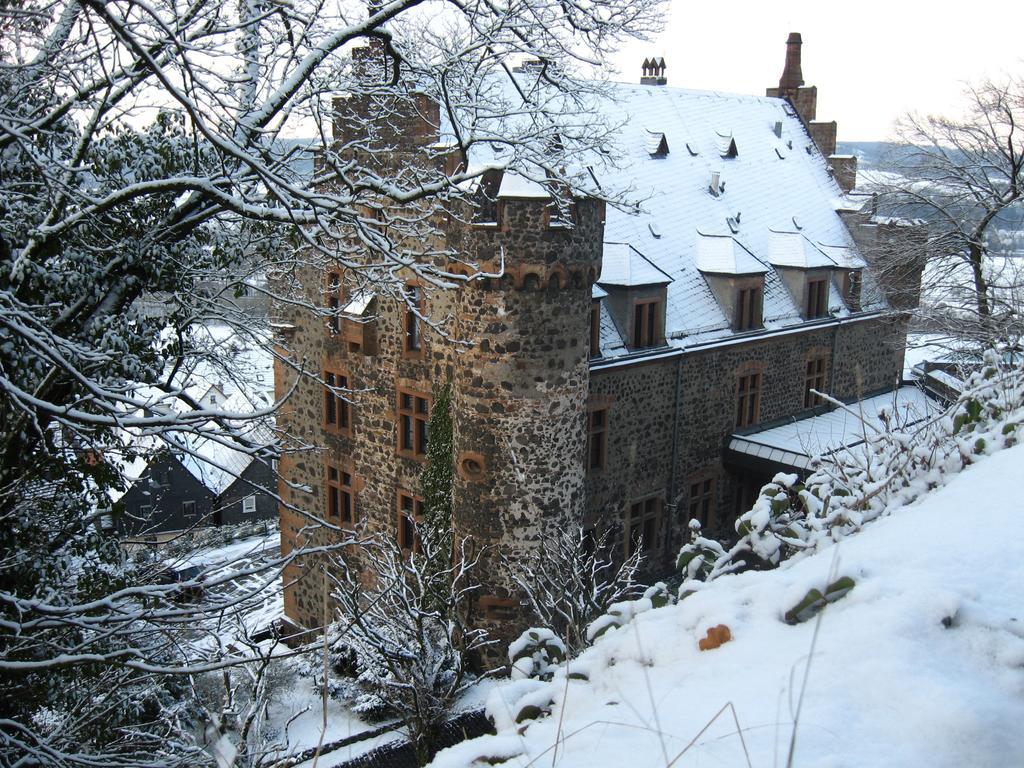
column 337, row 410
column 748, row 399
column 597, row 439
column 817, row 298
column 411, row 323
column 332, row 300
column 413, row 414
column 410, row 515
column 340, row 496
column 702, row 501
column 595, row 328
column 643, row 527
column 646, row 319
column 814, row 379
column 748, row 309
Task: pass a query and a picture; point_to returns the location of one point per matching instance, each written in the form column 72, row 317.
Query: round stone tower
column 520, row 390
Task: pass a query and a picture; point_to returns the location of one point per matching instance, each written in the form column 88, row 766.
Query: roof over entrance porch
column 791, row 446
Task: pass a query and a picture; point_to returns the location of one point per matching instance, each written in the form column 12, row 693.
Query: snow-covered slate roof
column 218, row 464
column 777, row 181
column 624, row 265
column 844, row 256
column 723, row 254
column 772, row 180
column 244, row 375
column 521, row 187
column 796, row 443
column 792, row 249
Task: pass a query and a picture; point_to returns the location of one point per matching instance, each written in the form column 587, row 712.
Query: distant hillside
column 870, row 155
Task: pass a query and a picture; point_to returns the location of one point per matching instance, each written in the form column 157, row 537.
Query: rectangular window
column 817, row 298
column 595, row 328
column 145, row 511
column 337, row 410
column 747, row 491
column 644, row 524
column 814, row 379
column 748, row 400
column 702, row 497
column 748, row 309
column 410, row 516
column 411, row 323
column 332, row 300
column 188, row 508
column 597, row 439
column 340, row 496
column 249, row 505
column 413, row 415
column 645, row 323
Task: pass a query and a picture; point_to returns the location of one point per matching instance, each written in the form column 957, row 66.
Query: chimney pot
column 653, row 71
column 792, row 76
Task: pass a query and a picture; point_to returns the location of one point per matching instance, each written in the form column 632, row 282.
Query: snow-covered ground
column 920, row 664
column 251, row 547
column 296, row 714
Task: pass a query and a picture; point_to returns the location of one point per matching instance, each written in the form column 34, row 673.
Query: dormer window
column 817, row 298
column 657, row 144
column 726, row 145
column 748, row 308
column 485, row 200
column 647, row 315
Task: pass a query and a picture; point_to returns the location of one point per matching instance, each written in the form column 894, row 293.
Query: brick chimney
column 804, row 99
column 791, row 85
column 654, row 71
column 792, row 77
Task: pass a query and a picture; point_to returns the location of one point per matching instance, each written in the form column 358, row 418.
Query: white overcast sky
column 872, row 60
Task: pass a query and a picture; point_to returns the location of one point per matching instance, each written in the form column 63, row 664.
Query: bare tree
column 409, row 635
column 571, row 579
column 965, row 178
column 147, row 154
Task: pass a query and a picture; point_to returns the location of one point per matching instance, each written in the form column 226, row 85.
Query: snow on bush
column 621, row 613
column 536, row 653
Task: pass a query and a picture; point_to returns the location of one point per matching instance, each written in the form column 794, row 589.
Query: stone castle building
column 620, row 371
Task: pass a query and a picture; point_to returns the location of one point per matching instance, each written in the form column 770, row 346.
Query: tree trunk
column 980, row 284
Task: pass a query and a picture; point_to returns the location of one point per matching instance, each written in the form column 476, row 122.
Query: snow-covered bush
column 535, row 653
column 894, row 465
column 621, row 613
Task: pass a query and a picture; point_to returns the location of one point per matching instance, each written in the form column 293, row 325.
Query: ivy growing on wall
column 437, row 477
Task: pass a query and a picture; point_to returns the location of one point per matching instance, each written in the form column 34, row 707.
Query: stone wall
column 645, row 429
